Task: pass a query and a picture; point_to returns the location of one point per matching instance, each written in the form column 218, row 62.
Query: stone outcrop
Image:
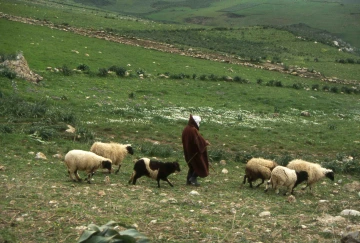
column 21, row 68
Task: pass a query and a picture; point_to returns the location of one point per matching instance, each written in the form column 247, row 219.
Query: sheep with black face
column 76, row 160
column 154, row 169
column 316, row 171
column 114, row 151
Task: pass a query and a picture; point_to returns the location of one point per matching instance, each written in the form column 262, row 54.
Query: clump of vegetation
column 108, row 234
column 66, row 71
column 120, row 71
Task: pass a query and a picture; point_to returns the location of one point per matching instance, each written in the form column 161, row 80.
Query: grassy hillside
column 341, row 18
column 257, row 114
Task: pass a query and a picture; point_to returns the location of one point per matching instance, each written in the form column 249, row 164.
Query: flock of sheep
column 296, row 172
column 105, row 155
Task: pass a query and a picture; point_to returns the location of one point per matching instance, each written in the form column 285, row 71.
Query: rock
column 21, row 68
column 70, row 129
column 107, row 180
column 305, row 113
column 195, row 193
column 223, row 162
column 350, row 212
column 329, row 220
column 58, row 156
column 40, row 155
column 352, row 187
column 351, row 237
column 265, row 214
column 291, row 199
column 225, row 171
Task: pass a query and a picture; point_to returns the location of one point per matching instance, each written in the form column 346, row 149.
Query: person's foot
column 193, row 181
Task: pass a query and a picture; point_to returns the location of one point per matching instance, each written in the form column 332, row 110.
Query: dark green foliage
column 203, row 77
column 6, row 128
column 83, row 67
column 132, row 95
column 276, row 83
column 217, row 154
column 334, row 89
column 84, row 135
column 107, row 234
column 120, row 71
column 66, row 71
column 343, row 164
column 297, row 86
column 315, row 87
column 259, row 81
column 102, row 72
column 7, row 73
column 17, row 107
column 6, row 56
column 155, row 150
column 276, row 59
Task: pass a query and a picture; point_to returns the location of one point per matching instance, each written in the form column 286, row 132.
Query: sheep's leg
column 166, row 179
column 117, row 169
column 135, row 178
column 71, row 177
column 77, row 175
column 89, row 177
column 158, row 182
column 277, row 191
column 244, row 179
column 267, row 186
column 262, row 182
column 307, row 185
column 132, row 177
column 250, row 182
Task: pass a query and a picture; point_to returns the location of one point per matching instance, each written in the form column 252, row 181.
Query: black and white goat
column 154, row 169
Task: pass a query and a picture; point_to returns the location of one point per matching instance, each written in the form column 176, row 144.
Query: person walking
column 195, row 151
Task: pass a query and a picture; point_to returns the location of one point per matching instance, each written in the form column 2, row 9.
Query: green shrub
column 6, row 129
column 156, row 150
column 84, row 135
column 8, row 73
column 66, row 71
column 102, row 72
column 83, row 67
column 202, row 77
column 120, row 71
column 297, row 86
column 315, row 87
column 107, row 234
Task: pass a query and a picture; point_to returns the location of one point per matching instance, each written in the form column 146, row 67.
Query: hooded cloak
column 195, row 151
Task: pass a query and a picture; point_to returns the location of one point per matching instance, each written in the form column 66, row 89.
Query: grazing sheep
column 154, row 169
column 282, row 176
column 258, row 168
column 114, row 151
column 315, row 171
column 85, row 161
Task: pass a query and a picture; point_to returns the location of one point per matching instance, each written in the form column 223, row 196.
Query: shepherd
column 195, row 151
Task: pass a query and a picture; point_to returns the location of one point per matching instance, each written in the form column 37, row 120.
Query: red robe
column 195, row 151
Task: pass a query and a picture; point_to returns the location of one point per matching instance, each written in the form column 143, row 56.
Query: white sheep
column 84, row 161
column 258, row 168
column 114, row 151
column 282, row 176
column 315, row 171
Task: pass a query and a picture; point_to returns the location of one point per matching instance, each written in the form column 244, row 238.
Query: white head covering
column 197, row 119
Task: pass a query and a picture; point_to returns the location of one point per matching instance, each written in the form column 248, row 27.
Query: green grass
column 241, row 120
column 229, row 13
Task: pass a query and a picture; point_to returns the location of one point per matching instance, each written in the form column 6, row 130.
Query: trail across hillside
column 164, row 47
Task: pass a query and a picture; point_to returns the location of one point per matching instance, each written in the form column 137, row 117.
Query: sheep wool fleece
column 195, row 150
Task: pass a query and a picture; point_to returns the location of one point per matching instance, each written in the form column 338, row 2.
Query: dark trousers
column 191, row 173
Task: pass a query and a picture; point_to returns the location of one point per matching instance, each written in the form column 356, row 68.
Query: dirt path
column 163, row 47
